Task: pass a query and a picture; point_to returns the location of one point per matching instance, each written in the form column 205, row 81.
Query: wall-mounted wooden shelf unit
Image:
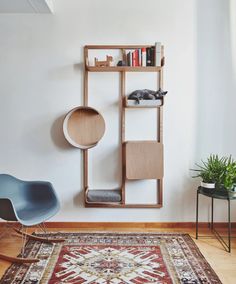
column 135, row 154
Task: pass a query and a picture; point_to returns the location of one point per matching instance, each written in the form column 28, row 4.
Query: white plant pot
column 207, row 185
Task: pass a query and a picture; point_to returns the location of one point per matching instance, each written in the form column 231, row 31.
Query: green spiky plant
column 221, row 171
column 212, row 170
column 229, row 177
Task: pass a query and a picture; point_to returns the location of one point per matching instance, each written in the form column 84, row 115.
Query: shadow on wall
column 57, row 134
column 110, row 173
column 78, row 199
column 215, row 87
column 78, row 202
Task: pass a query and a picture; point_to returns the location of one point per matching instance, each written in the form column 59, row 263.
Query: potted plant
column 229, row 176
column 211, row 171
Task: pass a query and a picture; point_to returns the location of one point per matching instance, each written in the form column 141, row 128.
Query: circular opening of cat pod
column 83, row 127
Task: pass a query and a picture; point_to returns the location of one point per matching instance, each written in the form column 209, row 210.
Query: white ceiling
column 26, row 6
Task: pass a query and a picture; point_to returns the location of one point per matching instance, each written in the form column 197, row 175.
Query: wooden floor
column 222, row 262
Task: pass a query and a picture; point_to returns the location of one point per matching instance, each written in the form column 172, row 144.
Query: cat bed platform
column 83, row 127
column 103, row 195
column 144, row 103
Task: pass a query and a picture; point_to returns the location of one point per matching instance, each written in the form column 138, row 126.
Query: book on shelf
column 152, row 55
column 148, row 56
column 139, row 57
column 129, row 58
column 135, row 58
column 143, row 52
column 158, row 54
column 162, row 56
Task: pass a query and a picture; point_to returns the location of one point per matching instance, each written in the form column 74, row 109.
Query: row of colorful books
column 148, row 56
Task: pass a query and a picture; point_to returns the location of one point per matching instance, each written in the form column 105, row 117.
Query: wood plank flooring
column 222, row 262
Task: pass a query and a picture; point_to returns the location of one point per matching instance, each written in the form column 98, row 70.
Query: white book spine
column 131, row 58
column 158, row 54
column 144, row 57
column 139, row 57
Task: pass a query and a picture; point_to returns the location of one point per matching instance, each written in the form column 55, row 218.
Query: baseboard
column 132, row 225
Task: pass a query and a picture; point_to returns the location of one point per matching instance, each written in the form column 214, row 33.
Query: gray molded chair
column 28, row 202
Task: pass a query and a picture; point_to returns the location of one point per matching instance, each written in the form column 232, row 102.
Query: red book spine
column 135, row 58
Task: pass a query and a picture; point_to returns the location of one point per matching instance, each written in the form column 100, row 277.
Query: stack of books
column 149, row 56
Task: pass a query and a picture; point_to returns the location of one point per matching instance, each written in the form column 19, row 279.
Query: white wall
column 216, row 81
column 41, row 79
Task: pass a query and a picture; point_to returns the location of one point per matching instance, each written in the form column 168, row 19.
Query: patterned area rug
column 114, row 258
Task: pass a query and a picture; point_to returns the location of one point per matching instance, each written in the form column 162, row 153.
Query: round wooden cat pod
column 83, row 127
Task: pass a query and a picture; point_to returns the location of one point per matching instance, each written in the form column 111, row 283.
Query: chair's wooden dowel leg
column 18, row 259
column 41, row 239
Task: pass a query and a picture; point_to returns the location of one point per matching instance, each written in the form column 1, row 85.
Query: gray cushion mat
column 103, row 195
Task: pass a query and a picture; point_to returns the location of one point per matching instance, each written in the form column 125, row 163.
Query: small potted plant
column 229, row 176
column 211, row 171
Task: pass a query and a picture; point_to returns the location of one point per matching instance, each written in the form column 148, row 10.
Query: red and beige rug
column 114, row 258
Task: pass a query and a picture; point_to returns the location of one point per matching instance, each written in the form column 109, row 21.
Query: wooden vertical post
column 85, row 77
column 85, row 102
column 122, row 99
column 160, row 137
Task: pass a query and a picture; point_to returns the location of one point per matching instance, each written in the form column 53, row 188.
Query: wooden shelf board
column 123, row 69
column 140, row 141
column 117, row 46
column 120, row 205
column 142, row 105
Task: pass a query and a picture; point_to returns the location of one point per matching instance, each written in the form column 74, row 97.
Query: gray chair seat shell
column 28, row 202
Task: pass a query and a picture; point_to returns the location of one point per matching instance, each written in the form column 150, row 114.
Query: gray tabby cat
column 146, row 94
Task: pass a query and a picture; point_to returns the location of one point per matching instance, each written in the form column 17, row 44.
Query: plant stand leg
column 212, row 213
column 229, row 227
column 197, row 216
